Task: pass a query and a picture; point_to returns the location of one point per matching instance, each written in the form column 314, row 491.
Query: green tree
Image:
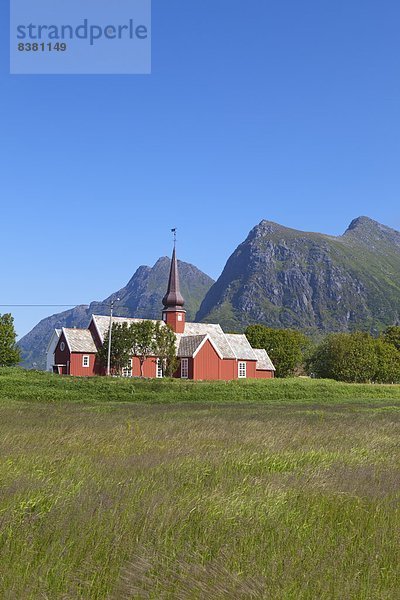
column 9, row 351
column 388, row 362
column 349, row 357
column 392, row 336
column 165, row 348
column 121, row 348
column 286, row 347
column 143, row 342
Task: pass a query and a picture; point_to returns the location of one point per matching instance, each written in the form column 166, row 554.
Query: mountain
column 282, row 277
column 141, row 297
column 278, row 276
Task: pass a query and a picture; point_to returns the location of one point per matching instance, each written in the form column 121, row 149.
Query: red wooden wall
column 265, row 374
column 228, row 369
column 206, row 363
column 251, row 369
column 76, row 367
column 149, row 367
column 171, row 318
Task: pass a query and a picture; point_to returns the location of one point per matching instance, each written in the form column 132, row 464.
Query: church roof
column 79, row 340
column 240, row 346
column 264, row 363
column 188, row 344
column 102, row 323
column 215, row 333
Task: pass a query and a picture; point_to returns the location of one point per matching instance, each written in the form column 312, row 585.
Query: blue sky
column 287, row 111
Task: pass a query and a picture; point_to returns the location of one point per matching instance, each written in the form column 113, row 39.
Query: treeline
column 351, row 357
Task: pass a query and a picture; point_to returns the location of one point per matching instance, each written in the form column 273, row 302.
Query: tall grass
column 263, row 494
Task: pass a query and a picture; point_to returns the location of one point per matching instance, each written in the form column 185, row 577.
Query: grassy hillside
column 161, row 490
column 30, row 386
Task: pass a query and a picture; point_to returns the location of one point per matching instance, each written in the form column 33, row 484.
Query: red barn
column 205, row 352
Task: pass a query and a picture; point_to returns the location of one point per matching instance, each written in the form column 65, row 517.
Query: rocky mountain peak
column 267, row 228
column 161, row 262
column 363, row 223
column 283, row 277
column 367, row 231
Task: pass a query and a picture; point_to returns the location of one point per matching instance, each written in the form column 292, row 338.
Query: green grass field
column 168, row 490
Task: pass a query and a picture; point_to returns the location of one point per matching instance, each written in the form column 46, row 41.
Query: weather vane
column 174, row 232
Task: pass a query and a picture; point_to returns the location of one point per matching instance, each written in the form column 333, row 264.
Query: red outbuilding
column 204, row 351
column 75, row 353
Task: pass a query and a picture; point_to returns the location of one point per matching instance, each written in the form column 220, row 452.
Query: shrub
column 356, row 358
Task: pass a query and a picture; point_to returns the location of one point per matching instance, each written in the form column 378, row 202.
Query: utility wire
column 116, row 305
column 39, row 305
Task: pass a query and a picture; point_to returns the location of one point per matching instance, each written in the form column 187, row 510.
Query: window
column 62, row 346
column 179, row 316
column 242, row 370
column 127, row 371
column 85, row 361
column 184, row 368
column 159, row 373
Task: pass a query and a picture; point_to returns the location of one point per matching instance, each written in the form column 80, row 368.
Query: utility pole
column 109, row 338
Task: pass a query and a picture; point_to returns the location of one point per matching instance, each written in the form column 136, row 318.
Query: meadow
column 128, row 489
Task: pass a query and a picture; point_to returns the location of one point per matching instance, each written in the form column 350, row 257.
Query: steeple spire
column 174, row 313
column 173, row 298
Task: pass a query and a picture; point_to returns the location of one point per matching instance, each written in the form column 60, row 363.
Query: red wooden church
column 204, row 350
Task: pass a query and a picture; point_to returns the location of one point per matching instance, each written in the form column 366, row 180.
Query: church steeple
column 173, row 298
column 174, row 313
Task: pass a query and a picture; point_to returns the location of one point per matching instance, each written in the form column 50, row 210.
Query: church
column 204, row 351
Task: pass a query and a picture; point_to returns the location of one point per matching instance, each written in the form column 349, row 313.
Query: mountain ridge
column 284, row 277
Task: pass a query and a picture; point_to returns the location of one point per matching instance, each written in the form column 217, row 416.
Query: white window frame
column 242, row 369
column 180, row 317
column 184, row 368
column 127, row 371
column 86, row 359
column 159, row 371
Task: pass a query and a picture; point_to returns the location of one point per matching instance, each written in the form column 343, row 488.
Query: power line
column 42, row 305
column 116, row 306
